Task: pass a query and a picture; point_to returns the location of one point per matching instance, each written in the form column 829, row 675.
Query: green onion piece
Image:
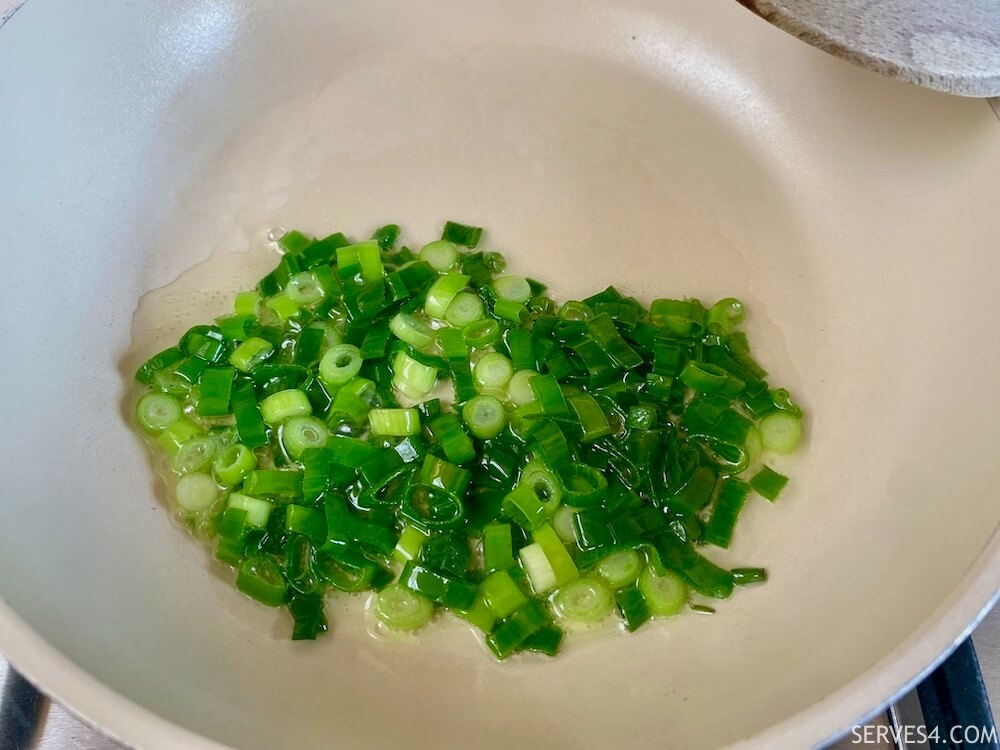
column 281, row 483
column 524, row 508
column 340, row 364
column 157, row 411
column 260, row 578
column 394, row 422
column 442, row 292
column 723, row 315
column 546, row 640
column 549, row 444
column 413, row 379
column 464, row 309
column 299, row 434
column 484, row 416
column 448, row 433
column 515, row 630
column 506, row 309
column 453, row 345
column 519, row 389
column 216, row 386
column 363, row 259
column 780, row 432
column 401, row 609
column 593, row 421
column 194, row 455
column 347, row 570
column 768, row 483
column 493, row 370
column 711, row 379
column 563, row 567
column 172, row 438
column 479, row 615
column 247, row 303
column 583, row 486
column 304, row 289
column 250, row 353
column 453, row 479
column 462, row 234
column 409, row 543
column 621, row 568
column 249, row 423
column 386, row 236
column 237, row 327
column 521, row 347
column 481, row 333
column 747, row 576
column 587, row 600
column 257, row 511
column 284, row 405
column 294, row 241
column 544, row 484
column 158, row 363
column 728, row 503
column 702, row 575
column 196, row 493
column 411, row 329
column 233, row 464
column 440, row 254
column 283, row 306
column 537, row 568
column 501, row 594
column 564, row 524
column 549, row 394
column 512, row 288
column 450, row 592
column 310, row 620
column 665, row 595
column 633, row 608
column 498, row 549
column 432, row 508
column 308, row 522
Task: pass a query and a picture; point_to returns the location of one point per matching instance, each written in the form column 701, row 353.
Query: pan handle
column 955, row 704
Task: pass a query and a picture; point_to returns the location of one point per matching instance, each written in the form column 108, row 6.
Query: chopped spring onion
column 157, row 411
column 546, row 485
column 339, row 365
column 196, row 493
column 282, row 406
column 252, row 352
column 493, row 370
column 411, row 329
column 194, row 454
column 402, row 609
column 512, row 288
column 233, row 464
column 464, row 309
column 440, row 254
column 304, row 289
column 481, row 333
column 413, row 379
column 519, row 387
column 780, row 432
column 430, row 427
column 442, row 292
column 394, row 422
column 664, row 594
column 620, row 568
column 299, row 434
column 484, row 416
column 768, row 483
column 584, row 600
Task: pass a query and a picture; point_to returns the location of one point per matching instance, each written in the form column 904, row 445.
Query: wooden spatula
column 948, row 46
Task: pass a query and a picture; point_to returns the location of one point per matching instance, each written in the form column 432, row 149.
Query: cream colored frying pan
column 671, row 148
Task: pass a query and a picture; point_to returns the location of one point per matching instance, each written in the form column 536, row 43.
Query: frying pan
column 681, row 148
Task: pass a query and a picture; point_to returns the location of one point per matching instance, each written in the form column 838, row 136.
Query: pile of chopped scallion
column 423, row 425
